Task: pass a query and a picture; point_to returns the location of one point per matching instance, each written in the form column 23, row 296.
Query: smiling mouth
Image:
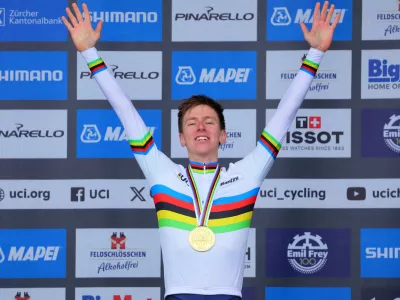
column 202, row 138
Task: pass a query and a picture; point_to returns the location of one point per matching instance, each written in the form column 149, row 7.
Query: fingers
column 324, row 10
column 330, row 13
column 86, row 11
column 316, row 11
column 304, row 28
column 336, row 21
column 99, row 26
column 66, row 23
column 77, row 12
column 71, row 17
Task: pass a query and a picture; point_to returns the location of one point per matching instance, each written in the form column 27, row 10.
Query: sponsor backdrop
column 76, row 215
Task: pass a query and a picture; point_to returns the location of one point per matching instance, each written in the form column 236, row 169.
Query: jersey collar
column 203, row 168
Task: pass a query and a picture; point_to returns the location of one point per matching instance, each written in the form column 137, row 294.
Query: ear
column 182, row 140
column 222, row 137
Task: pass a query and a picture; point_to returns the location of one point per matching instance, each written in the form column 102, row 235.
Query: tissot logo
column 211, row 15
column 318, row 133
column 138, row 193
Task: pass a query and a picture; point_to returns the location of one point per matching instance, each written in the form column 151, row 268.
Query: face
column 201, row 133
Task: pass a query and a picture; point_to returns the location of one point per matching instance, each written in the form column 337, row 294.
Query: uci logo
column 183, row 178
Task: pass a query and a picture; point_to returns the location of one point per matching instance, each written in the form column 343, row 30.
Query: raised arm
column 140, row 138
column 261, row 159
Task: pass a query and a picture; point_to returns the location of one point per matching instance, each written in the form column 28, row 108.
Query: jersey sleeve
column 150, row 159
column 260, row 160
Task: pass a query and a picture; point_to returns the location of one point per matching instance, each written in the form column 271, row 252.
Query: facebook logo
column 77, row 194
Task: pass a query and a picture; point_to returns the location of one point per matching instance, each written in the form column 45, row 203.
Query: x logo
column 138, row 194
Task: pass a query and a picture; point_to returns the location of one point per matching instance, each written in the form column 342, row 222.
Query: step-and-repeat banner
column 77, row 221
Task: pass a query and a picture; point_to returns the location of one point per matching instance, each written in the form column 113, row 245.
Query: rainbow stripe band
column 176, row 210
column 309, row 67
column 270, row 144
column 199, row 168
column 97, row 66
column 142, row 146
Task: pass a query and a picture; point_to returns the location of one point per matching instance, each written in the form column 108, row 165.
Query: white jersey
column 219, row 270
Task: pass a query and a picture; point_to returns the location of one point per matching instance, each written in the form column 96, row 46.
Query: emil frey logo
column 307, row 254
column 391, row 133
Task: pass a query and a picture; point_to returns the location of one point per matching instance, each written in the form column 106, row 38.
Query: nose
column 200, row 126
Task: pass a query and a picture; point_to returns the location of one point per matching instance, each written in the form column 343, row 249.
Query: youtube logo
column 356, row 193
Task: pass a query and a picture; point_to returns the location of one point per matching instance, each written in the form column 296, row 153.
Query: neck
column 203, row 159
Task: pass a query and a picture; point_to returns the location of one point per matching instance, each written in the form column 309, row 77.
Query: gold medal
column 202, row 238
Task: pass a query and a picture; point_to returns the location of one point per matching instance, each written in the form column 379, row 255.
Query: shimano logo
column 383, row 252
column 230, row 181
column 124, row 17
column 31, row 75
column 214, row 16
column 381, row 71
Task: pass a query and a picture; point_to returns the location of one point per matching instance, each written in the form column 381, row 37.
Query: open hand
column 321, row 33
column 81, row 30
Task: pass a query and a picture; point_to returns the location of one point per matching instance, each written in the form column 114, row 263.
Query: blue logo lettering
column 381, row 71
column 139, row 21
column 100, row 133
column 33, row 253
column 223, row 75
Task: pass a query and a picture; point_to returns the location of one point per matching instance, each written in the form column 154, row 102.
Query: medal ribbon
column 202, row 213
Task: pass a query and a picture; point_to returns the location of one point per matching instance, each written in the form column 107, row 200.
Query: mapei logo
column 91, row 134
column 218, row 74
column 282, row 17
column 32, row 253
column 2, row 16
column 186, row 75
